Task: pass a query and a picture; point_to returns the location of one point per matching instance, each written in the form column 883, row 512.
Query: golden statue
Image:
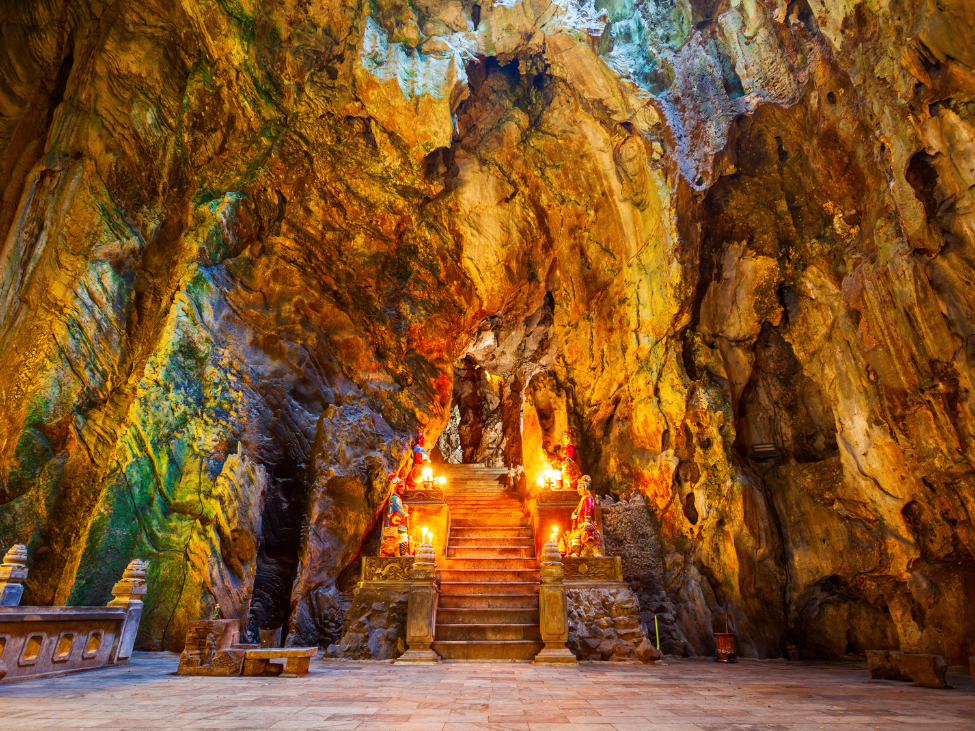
column 583, row 539
column 396, row 524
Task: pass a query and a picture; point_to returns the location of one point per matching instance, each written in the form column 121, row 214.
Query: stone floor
column 683, row 695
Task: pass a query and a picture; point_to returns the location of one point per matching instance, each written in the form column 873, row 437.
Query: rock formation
column 605, row 624
column 248, row 245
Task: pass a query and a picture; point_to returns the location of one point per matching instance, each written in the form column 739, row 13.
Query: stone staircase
column 489, row 582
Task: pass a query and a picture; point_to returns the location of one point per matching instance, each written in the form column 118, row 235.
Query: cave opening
column 508, row 357
column 277, row 554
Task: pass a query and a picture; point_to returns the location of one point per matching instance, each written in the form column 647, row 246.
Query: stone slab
column 269, row 652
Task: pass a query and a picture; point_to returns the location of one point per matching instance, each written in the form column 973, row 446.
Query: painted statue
column 565, row 462
column 583, row 539
column 396, row 524
column 420, row 460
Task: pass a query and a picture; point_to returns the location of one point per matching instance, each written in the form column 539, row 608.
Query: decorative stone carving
column 13, row 571
column 594, row 569
column 429, row 496
column 553, row 610
column 386, row 568
column 207, row 650
column 132, row 584
column 558, row 496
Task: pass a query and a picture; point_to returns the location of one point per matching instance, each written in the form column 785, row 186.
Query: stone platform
column 683, row 695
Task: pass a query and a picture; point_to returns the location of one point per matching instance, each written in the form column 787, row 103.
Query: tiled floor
column 683, row 695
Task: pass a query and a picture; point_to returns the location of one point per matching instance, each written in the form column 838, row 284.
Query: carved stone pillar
column 128, row 593
column 13, row 571
column 421, row 613
column 553, row 609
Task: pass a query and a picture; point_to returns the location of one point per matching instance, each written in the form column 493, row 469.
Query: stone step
column 475, row 475
column 470, row 469
column 489, row 550
column 487, row 602
column 508, row 521
column 485, row 502
column 479, row 480
column 489, row 587
column 465, row 563
column 485, row 513
column 461, row 488
column 477, row 632
column 511, row 650
column 481, row 531
column 478, row 540
column 498, row 531
column 479, row 496
column 489, row 574
column 491, row 518
column 487, row 615
column 488, row 542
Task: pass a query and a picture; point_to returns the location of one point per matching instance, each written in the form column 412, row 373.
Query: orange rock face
column 247, row 248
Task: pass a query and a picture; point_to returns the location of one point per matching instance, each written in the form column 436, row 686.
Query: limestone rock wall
column 244, row 245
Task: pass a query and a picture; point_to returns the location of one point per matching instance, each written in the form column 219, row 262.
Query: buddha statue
column 396, row 524
column 565, row 462
column 420, row 460
column 583, row 539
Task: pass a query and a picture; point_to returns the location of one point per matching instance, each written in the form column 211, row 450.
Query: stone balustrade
column 39, row 642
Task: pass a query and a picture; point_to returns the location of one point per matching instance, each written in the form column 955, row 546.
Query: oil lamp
column 550, row 479
column 429, row 481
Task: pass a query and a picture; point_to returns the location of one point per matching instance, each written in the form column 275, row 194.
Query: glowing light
column 541, row 480
column 427, row 473
column 441, row 480
column 555, row 529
